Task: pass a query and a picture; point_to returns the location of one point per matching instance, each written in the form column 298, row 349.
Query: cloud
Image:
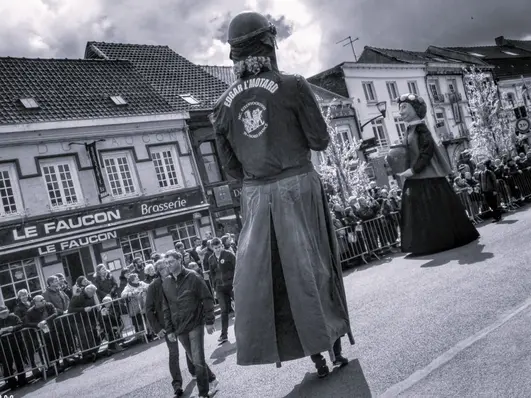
column 308, row 29
column 416, row 24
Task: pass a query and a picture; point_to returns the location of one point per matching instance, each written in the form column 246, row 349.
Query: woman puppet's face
column 407, row 112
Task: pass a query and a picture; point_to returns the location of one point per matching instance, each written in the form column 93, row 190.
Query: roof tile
column 72, row 89
column 169, row 73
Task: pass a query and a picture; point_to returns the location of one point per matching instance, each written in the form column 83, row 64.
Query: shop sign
column 70, row 244
column 104, row 218
column 237, row 192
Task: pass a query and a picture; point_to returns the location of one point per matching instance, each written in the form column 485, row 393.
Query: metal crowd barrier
column 81, row 335
column 22, row 351
column 370, row 238
column 374, row 237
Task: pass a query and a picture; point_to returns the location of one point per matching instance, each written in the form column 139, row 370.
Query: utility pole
column 351, row 42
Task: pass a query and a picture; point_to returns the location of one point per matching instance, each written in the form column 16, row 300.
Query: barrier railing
column 373, row 237
column 21, row 351
column 81, row 335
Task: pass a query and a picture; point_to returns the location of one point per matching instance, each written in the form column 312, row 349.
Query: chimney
column 500, row 41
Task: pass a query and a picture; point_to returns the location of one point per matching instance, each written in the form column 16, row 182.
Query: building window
column 344, row 134
column 412, row 87
column 210, row 161
column 392, row 89
column 119, row 174
column 435, row 91
column 10, row 199
column 167, row 166
column 370, row 92
column 184, row 232
column 61, row 182
column 511, row 99
column 452, row 86
column 440, row 117
column 16, row 276
column 136, row 245
column 400, row 127
column 378, row 127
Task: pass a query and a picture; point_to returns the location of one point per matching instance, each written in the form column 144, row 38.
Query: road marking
column 447, row 356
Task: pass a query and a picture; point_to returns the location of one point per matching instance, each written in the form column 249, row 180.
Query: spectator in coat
column 105, row 282
column 188, row 306
column 84, row 306
column 64, row 285
column 10, row 324
column 194, row 250
column 22, row 305
column 54, row 295
column 139, row 268
column 64, row 325
column 155, row 315
column 111, row 324
column 135, row 293
column 222, row 265
column 489, row 188
column 81, row 283
column 150, row 272
column 41, row 316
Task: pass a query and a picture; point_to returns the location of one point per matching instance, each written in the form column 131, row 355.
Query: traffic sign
column 522, row 125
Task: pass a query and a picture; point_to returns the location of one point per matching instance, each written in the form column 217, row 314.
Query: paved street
column 452, row 325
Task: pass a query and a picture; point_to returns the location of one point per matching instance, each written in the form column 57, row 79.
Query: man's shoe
column 213, row 387
column 323, row 371
column 179, row 393
column 340, row 361
column 222, row 340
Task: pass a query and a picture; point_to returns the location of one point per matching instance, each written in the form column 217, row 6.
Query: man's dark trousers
column 225, row 296
column 319, row 360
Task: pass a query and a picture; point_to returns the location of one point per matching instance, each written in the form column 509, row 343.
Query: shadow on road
column 342, row 382
column 507, row 222
column 222, row 352
column 387, row 258
column 469, row 254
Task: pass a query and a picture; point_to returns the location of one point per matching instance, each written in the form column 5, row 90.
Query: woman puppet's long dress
column 433, row 218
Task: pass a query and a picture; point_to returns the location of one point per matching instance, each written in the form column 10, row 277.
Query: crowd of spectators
column 369, row 225
column 98, row 314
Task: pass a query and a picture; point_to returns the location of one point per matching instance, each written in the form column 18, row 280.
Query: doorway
column 73, row 266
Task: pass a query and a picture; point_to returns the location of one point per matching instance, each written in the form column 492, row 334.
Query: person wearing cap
column 432, row 216
column 10, row 342
column 266, row 125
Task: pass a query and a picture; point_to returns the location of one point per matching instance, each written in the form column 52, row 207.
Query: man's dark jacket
column 78, row 304
column 222, row 269
column 154, row 305
column 58, row 298
column 187, row 303
column 35, row 315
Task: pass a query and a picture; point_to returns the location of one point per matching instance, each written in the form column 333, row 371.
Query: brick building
column 95, row 166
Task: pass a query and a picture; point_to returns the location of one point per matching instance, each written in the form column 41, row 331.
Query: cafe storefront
column 114, row 234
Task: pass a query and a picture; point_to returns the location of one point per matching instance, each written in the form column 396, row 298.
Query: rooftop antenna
column 351, row 42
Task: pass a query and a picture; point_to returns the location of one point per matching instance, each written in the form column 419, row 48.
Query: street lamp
column 382, row 108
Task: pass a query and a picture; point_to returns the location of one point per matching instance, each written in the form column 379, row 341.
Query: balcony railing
column 438, row 98
column 454, row 97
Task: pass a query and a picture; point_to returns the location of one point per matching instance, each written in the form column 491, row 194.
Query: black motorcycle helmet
column 248, row 32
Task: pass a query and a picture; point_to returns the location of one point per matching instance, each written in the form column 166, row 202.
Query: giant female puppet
column 433, row 218
column 288, row 288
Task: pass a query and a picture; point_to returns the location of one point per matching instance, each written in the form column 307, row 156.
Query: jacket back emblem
column 253, row 115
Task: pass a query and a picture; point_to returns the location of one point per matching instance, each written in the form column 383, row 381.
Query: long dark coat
column 288, row 287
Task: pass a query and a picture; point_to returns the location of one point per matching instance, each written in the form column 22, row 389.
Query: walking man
column 222, row 265
column 188, row 307
column 155, row 315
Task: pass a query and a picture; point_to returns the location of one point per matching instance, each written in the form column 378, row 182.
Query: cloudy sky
column 308, row 29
